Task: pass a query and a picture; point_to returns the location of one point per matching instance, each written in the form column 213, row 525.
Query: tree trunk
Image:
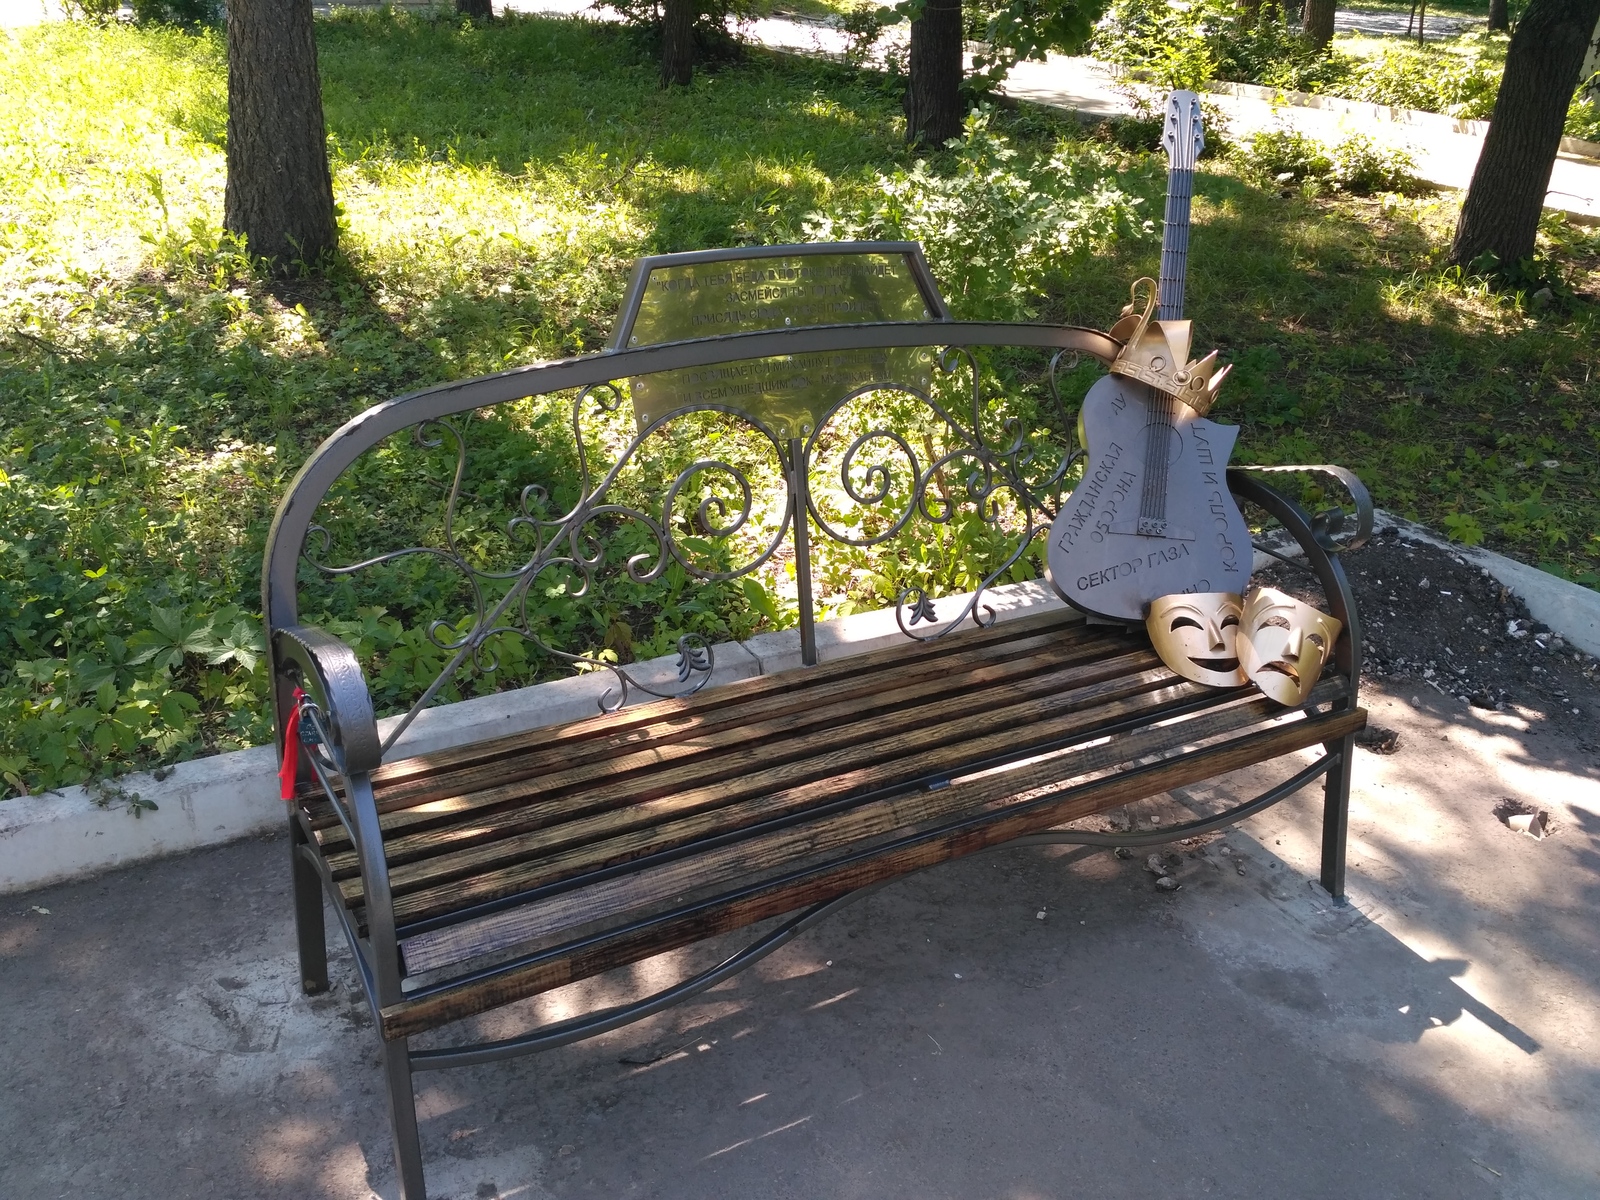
column 280, row 191
column 1501, row 212
column 1499, row 15
column 478, row 10
column 1316, row 21
column 677, row 42
column 933, row 93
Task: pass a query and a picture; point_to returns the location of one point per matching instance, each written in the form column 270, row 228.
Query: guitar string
column 1169, row 297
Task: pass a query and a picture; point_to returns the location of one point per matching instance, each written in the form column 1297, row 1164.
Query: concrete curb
column 77, row 832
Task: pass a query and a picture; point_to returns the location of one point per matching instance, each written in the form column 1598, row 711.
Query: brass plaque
column 681, row 301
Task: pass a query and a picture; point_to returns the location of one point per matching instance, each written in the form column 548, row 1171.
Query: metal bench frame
column 342, row 746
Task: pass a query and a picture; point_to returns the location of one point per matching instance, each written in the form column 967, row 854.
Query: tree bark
column 677, row 42
column 478, row 10
column 1499, row 15
column 1501, row 212
column 1316, row 21
column 933, row 92
column 280, row 192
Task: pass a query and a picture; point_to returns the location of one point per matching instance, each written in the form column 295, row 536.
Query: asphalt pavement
column 1242, row 1037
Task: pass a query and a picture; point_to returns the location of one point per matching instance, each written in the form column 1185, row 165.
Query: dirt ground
column 1432, row 621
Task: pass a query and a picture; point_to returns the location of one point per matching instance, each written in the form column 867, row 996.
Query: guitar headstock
column 1183, row 136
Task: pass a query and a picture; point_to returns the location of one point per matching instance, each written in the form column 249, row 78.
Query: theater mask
column 1195, row 636
column 1283, row 644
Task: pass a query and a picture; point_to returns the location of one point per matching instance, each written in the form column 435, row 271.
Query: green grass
column 495, row 183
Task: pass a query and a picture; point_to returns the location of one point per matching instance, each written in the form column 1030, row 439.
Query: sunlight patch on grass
column 419, row 231
column 105, row 142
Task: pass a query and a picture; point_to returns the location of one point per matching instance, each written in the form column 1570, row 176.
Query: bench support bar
column 1336, row 815
column 309, row 927
column 403, row 1120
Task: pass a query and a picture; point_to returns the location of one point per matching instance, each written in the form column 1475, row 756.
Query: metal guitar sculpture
column 1153, row 514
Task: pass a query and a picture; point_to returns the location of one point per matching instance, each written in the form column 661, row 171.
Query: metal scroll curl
column 984, row 467
column 548, row 549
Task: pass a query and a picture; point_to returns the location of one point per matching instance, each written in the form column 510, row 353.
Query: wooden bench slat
column 732, row 701
column 526, row 876
column 591, row 786
column 897, row 759
column 703, row 716
column 669, row 930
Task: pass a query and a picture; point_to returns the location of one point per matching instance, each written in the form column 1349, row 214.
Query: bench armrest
column 332, row 678
column 1327, row 525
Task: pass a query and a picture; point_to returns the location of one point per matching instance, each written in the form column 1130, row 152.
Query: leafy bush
column 1356, row 165
column 996, row 225
column 1190, row 45
column 190, row 14
column 1458, row 78
column 1583, row 118
column 712, row 40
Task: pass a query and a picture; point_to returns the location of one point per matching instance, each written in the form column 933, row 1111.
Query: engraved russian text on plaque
column 679, row 297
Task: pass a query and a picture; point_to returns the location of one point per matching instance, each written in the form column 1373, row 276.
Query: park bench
column 832, row 398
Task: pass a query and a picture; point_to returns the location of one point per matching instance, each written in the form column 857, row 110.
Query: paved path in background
column 1393, row 24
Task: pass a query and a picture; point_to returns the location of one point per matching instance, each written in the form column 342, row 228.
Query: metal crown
column 1152, row 351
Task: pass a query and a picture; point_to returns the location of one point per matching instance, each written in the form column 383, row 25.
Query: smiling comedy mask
column 1195, row 636
column 1283, row 644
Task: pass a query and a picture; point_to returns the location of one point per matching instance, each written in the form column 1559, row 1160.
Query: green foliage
column 1188, row 45
column 1011, row 31
column 997, row 226
column 711, row 19
column 1583, row 118
column 1459, row 77
column 190, row 14
column 1007, row 32
column 1356, row 165
column 495, row 183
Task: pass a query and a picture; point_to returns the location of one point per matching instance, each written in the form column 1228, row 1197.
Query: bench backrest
column 834, row 397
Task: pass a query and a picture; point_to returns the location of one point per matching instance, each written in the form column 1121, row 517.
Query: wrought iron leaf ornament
column 921, row 607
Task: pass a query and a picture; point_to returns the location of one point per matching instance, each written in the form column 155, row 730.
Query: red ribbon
column 289, row 769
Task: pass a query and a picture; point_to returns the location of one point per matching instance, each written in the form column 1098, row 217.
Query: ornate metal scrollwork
column 969, row 462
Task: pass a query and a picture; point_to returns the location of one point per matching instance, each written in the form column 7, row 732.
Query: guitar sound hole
column 1174, row 441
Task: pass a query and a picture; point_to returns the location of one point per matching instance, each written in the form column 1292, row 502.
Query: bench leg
column 403, row 1120
column 309, row 927
column 1336, row 815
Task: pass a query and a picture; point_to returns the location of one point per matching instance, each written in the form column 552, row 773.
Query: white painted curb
column 57, row 836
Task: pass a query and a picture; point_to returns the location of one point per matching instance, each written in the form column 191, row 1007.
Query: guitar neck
column 1174, row 244
column 1183, row 139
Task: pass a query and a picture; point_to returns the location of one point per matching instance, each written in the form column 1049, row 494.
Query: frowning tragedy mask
column 1195, row 636
column 1283, row 644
